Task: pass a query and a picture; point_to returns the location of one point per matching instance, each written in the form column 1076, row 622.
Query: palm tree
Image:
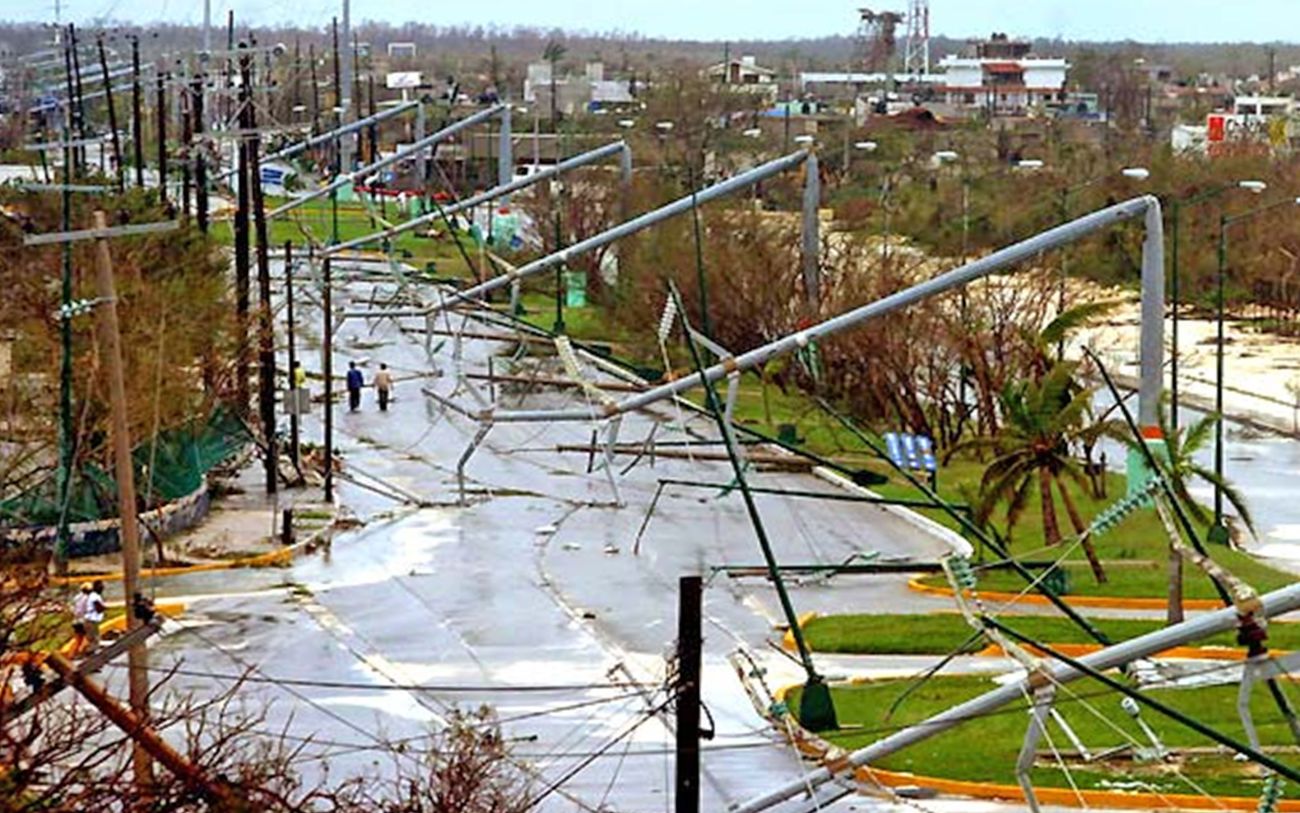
column 1178, row 465
column 1041, row 418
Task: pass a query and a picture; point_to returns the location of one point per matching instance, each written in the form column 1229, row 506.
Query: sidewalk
column 244, row 522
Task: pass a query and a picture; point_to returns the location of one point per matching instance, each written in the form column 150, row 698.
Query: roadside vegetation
column 990, row 754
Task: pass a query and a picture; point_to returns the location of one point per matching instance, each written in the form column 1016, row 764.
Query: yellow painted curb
column 832, row 757
column 1107, row 602
column 787, row 640
column 268, row 559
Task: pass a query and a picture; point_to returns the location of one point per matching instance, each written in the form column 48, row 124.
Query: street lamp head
column 1030, row 163
column 753, row 132
column 1252, row 186
column 1136, row 173
column 866, row 146
column 627, row 124
column 946, row 155
column 803, row 139
column 664, row 125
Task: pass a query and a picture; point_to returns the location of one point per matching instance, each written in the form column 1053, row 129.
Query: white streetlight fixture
column 943, row 156
column 1252, row 186
column 753, row 132
column 866, row 146
column 803, row 139
column 1136, row 173
column 664, row 125
column 627, row 124
column 1030, row 163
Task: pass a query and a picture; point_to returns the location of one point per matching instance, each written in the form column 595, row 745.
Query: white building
column 573, row 94
column 1003, row 78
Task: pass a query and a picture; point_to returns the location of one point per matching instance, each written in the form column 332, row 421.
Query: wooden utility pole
column 110, row 353
column 162, row 137
column 293, row 355
column 137, row 133
column 242, row 261
column 689, row 646
column 146, row 741
column 265, row 327
column 112, row 116
column 327, row 365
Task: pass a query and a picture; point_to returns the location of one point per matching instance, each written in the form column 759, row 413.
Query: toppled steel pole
column 483, row 197
column 325, row 138
column 1144, row 646
column 1152, row 332
column 402, row 154
column 636, row 224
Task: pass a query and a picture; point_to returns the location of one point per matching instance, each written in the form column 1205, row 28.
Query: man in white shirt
column 93, row 616
column 79, row 615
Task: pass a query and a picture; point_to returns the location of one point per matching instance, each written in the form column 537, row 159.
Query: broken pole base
column 816, row 709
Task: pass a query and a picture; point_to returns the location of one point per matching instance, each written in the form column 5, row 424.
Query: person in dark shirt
column 355, row 382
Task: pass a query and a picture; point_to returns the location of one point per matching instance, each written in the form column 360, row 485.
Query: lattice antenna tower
column 916, row 60
column 877, row 39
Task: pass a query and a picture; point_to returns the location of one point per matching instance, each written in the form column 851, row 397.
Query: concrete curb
column 922, row 523
column 273, row 558
column 1104, row 602
column 832, row 756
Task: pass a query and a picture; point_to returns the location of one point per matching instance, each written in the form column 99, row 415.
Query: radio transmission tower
column 917, row 58
column 877, row 39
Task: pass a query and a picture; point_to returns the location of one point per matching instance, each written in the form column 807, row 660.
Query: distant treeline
column 459, row 49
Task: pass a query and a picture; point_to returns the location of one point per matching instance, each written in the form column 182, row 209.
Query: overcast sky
column 1143, row 20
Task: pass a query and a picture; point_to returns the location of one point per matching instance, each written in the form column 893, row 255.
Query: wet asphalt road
column 529, row 597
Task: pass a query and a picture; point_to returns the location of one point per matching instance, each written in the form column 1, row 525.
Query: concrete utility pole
column 207, row 29
column 242, row 182
column 200, row 161
column 689, row 645
column 137, row 134
column 265, row 327
column 327, row 368
column 345, row 83
column 293, row 354
column 162, row 136
column 110, row 352
column 112, row 116
column 187, row 146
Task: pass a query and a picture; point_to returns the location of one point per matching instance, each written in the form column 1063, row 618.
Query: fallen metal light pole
column 1151, row 339
column 585, row 158
column 636, row 224
column 326, row 137
column 1276, row 603
column 414, row 149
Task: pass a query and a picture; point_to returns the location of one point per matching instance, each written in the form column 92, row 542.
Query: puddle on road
column 400, row 705
column 378, row 553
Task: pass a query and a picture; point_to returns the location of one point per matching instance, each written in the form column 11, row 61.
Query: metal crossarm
column 92, row 663
column 96, row 234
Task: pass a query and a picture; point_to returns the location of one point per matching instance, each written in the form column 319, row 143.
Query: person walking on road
column 93, row 617
column 79, row 606
column 355, row 382
column 384, row 386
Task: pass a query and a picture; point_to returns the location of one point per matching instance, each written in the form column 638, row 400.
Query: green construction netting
column 184, row 454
